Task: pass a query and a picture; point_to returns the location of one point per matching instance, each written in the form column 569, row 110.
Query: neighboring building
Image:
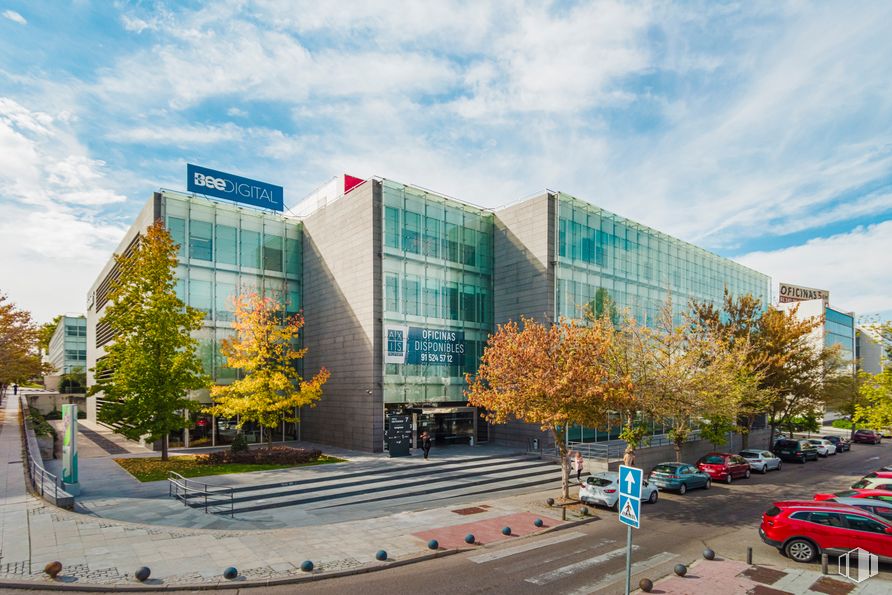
column 870, row 349
column 224, row 249
column 400, row 288
column 67, row 351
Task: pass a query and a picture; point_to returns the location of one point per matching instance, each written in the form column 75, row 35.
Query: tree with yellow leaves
column 554, row 376
column 264, row 349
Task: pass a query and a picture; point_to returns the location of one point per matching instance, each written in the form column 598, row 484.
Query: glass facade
column 437, row 274
column 839, row 329
column 68, row 347
column 223, row 250
column 604, row 258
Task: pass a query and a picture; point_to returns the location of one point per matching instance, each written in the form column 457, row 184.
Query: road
column 591, row 558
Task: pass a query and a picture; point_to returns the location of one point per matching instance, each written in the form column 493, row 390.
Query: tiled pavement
column 106, row 552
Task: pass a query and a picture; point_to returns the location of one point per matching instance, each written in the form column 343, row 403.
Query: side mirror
column 889, row 530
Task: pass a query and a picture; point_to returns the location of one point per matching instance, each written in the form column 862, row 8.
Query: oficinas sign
column 202, row 180
column 424, row 346
column 797, row 293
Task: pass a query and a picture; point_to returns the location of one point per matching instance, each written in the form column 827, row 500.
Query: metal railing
column 613, row 450
column 44, row 483
column 202, row 495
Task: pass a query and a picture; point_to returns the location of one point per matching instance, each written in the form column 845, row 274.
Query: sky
column 761, row 131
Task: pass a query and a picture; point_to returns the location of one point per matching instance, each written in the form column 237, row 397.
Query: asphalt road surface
column 591, row 558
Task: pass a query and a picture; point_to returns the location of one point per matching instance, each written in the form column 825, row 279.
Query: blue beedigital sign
column 425, row 346
column 202, row 180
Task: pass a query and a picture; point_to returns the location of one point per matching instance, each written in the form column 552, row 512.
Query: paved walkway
column 96, row 551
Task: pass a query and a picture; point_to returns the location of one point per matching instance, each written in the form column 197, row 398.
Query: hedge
column 277, row 455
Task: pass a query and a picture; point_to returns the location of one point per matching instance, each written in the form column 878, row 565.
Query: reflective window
column 250, row 250
column 200, row 242
column 177, row 229
column 272, row 253
column 226, row 244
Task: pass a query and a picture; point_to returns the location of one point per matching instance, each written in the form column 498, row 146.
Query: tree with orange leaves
column 264, row 349
column 551, row 375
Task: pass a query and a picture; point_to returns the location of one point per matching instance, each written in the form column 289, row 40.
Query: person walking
column 629, row 458
column 578, row 465
column 426, row 444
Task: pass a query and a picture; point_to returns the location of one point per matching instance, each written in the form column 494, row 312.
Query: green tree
column 19, row 355
column 263, row 348
column 46, row 330
column 150, row 367
column 876, row 410
column 73, row 382
column 716, row 430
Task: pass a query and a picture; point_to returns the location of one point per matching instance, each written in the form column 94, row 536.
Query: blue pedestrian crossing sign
column 629, row 511
column 630, row 482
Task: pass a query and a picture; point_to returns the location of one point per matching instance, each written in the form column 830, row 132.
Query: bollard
column 749, row 556
column 563, row 513
column 824, row 560
column 142, row 574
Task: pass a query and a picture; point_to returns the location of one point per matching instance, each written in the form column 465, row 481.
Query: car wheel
column 764, row 469
column 801, row 550
column 616, row 505
column 803, row 459
column 728, row 478
column 778, row 465
column 654, row 496
column 708, row 484
column 682, row 489
column 747, row 474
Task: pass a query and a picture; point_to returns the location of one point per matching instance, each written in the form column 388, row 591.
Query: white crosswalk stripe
column 570, row 569
column 533, row 545
column 613, row 578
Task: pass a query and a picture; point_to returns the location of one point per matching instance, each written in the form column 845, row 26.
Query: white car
column 761, row 460
column 602, row 489
column 825, row 447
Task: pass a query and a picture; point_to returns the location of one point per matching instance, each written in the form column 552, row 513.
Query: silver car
column 602, row 489
column 825, row 447
column 762, row 461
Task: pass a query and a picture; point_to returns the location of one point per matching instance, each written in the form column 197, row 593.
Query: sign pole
column 628, row 559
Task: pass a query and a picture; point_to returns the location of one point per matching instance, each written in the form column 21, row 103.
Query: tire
column 803, row 459
column 764, row 469
column 708, row 484
column 747, row 474
column 655, row 495
column 615, row 506
column 801, row 550
column 728, row 479
column 682, row 489
column 778, row 466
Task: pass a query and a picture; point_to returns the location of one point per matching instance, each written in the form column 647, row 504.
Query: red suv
column 867, row 437
column 802, row 530
column 723, row 466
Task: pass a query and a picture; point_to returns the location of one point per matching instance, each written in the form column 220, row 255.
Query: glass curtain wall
column 606, row 259
column 224, row 250
column 839, row 329
column 437, row 274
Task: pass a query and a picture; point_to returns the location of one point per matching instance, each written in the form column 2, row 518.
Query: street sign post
column 631, row 480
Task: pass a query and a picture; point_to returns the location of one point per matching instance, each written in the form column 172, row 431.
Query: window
column 200, row 242
column 392, row 293
column 412, row 296
column 224, row 300
column 272, row 253
column 177, row 229
column 200, row 296
column 292, row 256
column 412, row 233
column 227, row 244
column 831, row 519
column 250, row 252
column 861, row 523
column 392, row 227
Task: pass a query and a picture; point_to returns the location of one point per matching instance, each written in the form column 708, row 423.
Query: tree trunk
column 565, row 463
column 164, row 441
column 269, row 439
column 677, row 446
column 771, row 435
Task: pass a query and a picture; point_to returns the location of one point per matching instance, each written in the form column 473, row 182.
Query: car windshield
column 785, row 443
column 815, row 441
column 599, row 482
column 666, row 468
column 713, row 460
column 861, row 484
column 846, row 493
column 749, row 455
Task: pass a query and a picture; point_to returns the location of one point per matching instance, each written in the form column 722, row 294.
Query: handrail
column 37, row 473
column 178, row 487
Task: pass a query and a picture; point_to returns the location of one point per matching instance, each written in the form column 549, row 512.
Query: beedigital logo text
column 202, row 180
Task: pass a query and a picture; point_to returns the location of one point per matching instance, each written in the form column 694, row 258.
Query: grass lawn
column 154, row 469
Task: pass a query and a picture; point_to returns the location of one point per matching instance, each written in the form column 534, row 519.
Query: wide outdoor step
column 503, row 475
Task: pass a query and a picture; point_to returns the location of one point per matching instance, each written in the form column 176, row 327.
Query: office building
column 67, row 352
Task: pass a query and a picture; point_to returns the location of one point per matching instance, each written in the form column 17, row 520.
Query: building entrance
column 446, row 425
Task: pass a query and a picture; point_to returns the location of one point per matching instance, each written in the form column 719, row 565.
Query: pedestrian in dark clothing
column 15, row 389
column 426, row 444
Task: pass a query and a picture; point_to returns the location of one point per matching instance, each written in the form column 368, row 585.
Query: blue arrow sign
column 630, row 482
column 630, row 511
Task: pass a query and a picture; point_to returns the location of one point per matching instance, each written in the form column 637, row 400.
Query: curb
column 247, row 583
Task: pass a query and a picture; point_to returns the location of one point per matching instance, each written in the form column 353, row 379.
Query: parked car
column 723, row 466
column 762, row 461
column 679, row 476
column 873, row 483
column 867, row 437
column 602, row 489
column 884, row 495
column 788, row 449
column 825, row 447
column 877, row 507
column 842, row 444
column 803, row 530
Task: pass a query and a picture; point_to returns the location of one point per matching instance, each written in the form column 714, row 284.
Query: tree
column 553, row 376
column 19, row 356
column 150, row 367
column 876, row 411
column 74, row 381
column 716, row 430
column 46, row 331
column 264, row 349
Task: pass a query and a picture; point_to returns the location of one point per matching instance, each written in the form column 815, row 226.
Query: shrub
column 843, row 424
column 277, row 455
column 39, row 424
column 239, row 443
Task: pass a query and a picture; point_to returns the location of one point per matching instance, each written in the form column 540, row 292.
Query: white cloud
column 236, row 112
column 15, row 17
column 178, row 135
column 853, row 266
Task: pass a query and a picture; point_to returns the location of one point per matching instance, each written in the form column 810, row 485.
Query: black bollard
column 749, row 556
column 824, row 560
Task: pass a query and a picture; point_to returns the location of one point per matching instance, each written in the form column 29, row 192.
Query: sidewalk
column 722, row 577
column 101, row 552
